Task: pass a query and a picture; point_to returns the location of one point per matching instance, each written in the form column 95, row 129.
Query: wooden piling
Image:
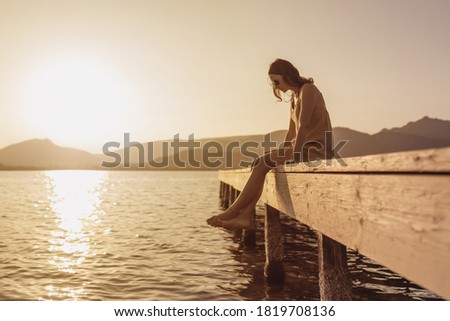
column 232, row 197
column 222, row 193
column 249, row 235
column 226, row 195
column 236, row 193
column 274, row 241
column 334, row 279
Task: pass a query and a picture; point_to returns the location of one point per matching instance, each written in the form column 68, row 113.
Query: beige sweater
column 312, row 122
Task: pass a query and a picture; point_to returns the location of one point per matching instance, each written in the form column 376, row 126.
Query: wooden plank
column 400, row 221
column 235, row 178
column 428, row 160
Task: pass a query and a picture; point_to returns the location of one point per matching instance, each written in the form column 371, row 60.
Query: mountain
column 44, row 154
column 219, row 152
column 422, row 134
column 425, row 127
column 356, row 142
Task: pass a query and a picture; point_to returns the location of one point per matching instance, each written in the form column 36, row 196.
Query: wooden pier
column 392, row 208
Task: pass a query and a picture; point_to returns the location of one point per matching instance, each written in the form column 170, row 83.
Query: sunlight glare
column 75, row 200
column 71, row 96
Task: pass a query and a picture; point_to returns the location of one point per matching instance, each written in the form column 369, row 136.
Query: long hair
column 290, row 75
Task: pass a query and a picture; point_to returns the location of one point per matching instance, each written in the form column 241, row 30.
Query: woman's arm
column 290, row 135
column 309, row 96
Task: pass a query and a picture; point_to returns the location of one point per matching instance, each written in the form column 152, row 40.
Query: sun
column 74, row 99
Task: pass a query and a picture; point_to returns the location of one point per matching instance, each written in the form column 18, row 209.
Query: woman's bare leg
column 229, row 214
column 235, row 216
column 252, row 189
column 245, row 202
column 243, row 219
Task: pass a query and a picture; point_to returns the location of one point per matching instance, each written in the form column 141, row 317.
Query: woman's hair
column 289, row 73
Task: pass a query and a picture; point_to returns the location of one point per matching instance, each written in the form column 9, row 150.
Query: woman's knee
column 264, row 162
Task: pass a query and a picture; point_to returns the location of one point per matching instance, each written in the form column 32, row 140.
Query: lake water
column 99, row 235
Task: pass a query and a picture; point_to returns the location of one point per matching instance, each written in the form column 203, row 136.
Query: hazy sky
column 84, row 72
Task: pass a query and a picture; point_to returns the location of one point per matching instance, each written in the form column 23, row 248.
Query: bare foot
column 216, row 219
column 240, row 222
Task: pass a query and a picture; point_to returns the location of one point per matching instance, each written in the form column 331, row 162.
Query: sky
column 83, row 73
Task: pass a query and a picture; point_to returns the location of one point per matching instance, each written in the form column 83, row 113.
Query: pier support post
column 249, row 235
column 334, row 279
column 226, row 195
column 232, row 196
column 236, row 193
column 221, row 192
column 274, row 241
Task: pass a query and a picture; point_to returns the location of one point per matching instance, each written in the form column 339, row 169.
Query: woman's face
column 278, row 82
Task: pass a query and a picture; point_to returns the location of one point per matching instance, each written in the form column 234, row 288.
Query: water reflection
column 150, row 243
column 75, row 198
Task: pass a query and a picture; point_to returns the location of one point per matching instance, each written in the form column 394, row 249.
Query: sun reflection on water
column 75, row 198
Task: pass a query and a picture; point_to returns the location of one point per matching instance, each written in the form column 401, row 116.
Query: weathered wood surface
column 402, row 220
column 334, row 278
column 428, row 160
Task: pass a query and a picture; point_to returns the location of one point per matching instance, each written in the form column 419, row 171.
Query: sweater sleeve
column 308, row 98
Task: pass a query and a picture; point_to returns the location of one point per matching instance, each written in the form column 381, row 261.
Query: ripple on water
column 93, row 235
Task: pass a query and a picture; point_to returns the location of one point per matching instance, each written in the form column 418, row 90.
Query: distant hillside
column 221, row 152
column 425, row 127
column 357, row 141
column 422, row 134
column 42, row 153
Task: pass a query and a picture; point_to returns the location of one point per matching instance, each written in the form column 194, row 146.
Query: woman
column 308, row 139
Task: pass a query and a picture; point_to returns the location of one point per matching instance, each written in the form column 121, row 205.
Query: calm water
column 97, row 235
